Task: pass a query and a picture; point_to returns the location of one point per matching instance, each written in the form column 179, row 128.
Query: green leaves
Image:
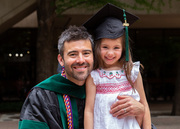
column 147, row 5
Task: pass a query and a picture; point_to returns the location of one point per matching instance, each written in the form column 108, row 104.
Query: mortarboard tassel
column 125, row 24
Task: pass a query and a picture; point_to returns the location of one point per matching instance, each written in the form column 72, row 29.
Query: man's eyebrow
column 71, row 52
column 87, row 50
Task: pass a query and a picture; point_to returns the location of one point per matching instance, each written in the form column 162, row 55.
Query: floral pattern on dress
column 111, row 74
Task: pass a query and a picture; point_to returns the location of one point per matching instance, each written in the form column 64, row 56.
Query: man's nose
column 80, row 59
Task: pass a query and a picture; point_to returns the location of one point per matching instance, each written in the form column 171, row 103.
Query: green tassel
column 126, row 36
column 127, row 44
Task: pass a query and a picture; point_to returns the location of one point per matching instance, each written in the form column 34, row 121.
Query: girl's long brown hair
column 127, row 66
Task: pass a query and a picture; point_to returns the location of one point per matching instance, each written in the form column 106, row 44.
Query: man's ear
column 60, row 60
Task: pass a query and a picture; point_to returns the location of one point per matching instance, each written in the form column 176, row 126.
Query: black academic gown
column 41, row 109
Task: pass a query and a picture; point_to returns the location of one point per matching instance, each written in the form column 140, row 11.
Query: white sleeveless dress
column 110, row 84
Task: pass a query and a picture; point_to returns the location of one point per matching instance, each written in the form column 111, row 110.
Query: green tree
column 148, row 5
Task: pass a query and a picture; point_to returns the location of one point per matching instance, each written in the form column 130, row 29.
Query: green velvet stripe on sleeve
column 30, row 124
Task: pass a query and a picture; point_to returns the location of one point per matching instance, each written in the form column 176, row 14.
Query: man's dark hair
column 73, row 33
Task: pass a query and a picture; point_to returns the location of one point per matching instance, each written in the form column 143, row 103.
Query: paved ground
column 9, row 121
column 160, row 117
column 166, row 122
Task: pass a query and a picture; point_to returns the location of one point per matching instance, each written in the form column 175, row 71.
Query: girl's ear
column 60, row 60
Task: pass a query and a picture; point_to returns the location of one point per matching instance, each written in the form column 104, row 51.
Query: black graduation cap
column 110, row 22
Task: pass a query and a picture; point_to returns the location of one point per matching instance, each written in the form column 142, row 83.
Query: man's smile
column 80, row 68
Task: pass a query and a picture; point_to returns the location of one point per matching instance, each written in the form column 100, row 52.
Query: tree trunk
column 44, row 47
column 176, row 104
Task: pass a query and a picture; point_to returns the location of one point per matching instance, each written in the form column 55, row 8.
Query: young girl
column 113, row 75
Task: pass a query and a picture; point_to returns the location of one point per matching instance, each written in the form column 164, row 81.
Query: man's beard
column 80, row 76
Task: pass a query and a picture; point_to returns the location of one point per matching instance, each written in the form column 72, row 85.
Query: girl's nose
column 110, row 53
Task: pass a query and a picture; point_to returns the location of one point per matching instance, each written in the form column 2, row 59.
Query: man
column 44, row 106
column 58, row 102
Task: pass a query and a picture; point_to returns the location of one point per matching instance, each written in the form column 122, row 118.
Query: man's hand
column 126, row 106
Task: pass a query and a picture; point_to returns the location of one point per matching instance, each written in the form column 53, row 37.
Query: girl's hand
column 126, row 106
